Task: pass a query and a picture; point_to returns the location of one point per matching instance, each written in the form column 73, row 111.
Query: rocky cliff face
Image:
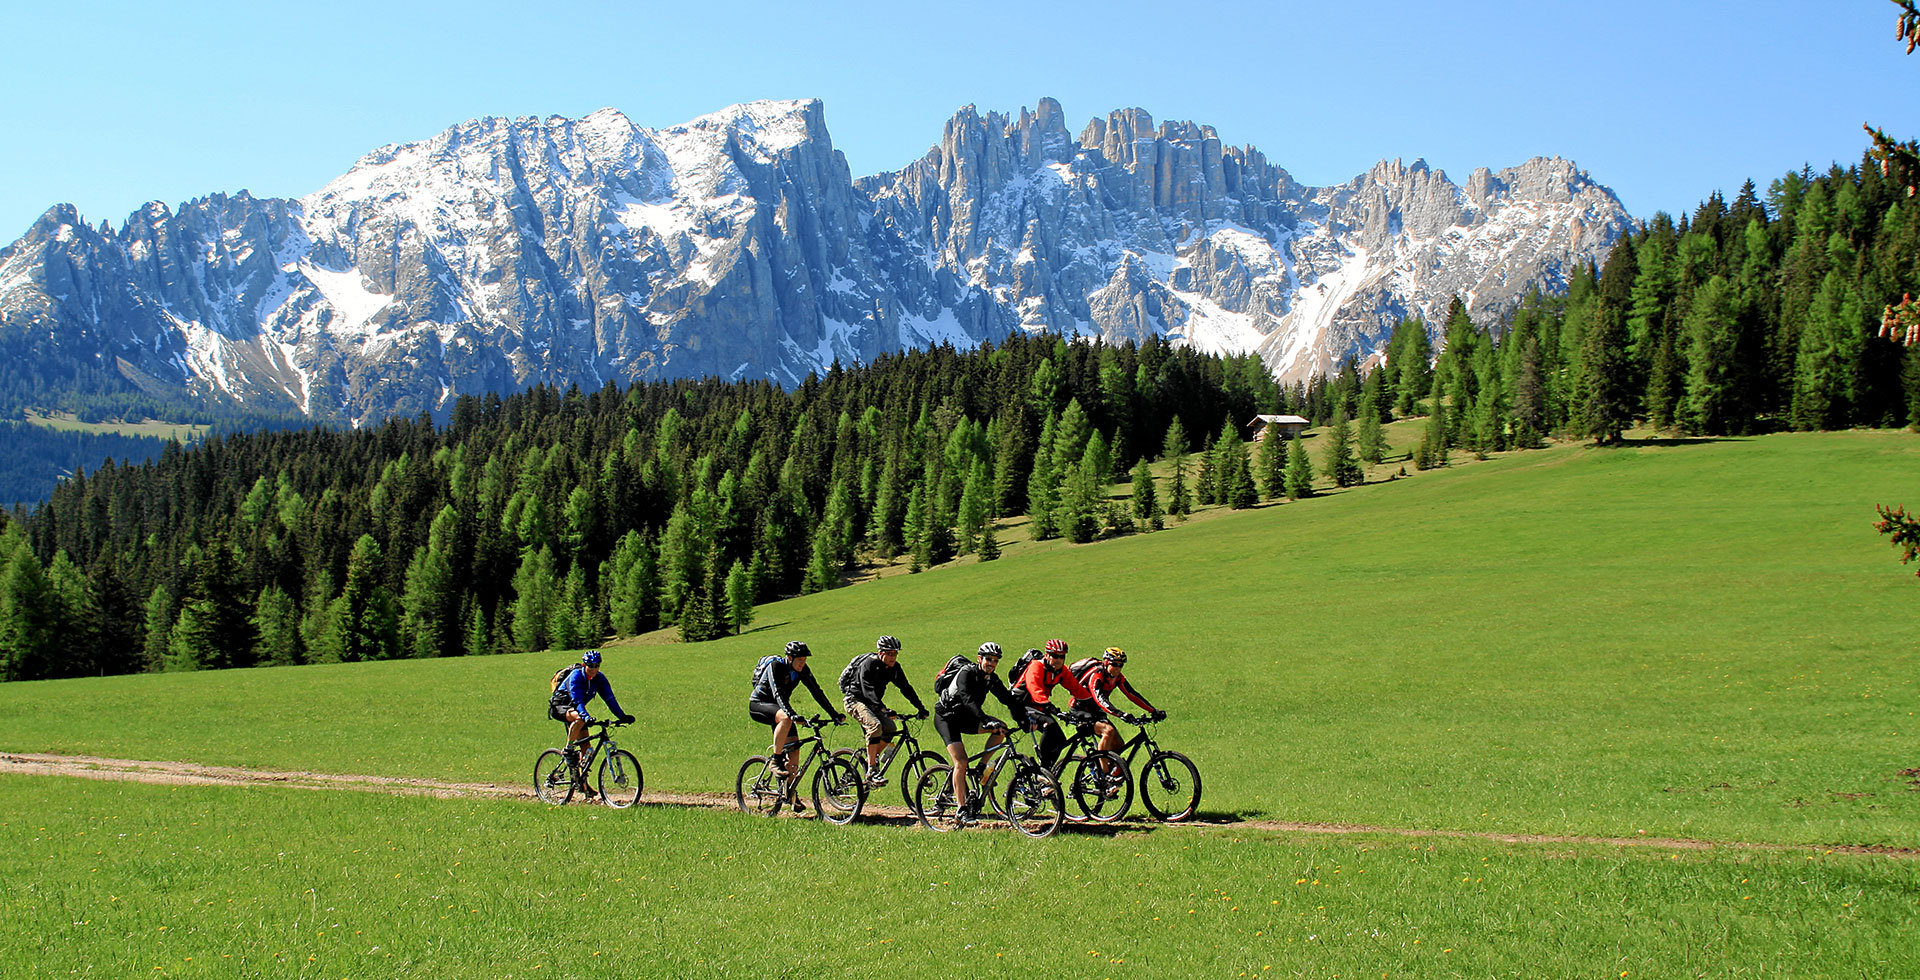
column 501, row 253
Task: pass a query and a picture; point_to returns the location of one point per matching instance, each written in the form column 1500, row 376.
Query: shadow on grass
column 1678, row 441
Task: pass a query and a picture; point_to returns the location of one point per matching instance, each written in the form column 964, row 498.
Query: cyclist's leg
column 1109, row 738
column 576, row 726
column 879, row 729
column 783, row 746
column 1052, row 740
column 949, row 732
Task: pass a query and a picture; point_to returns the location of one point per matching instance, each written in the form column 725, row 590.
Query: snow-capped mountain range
column 505, row 252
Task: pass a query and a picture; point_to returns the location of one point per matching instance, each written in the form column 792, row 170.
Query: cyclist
column 570, row 697
column 961, row 710
column 864, row 682
column 1034, row 688
column 773, row 680
column 1100, row 679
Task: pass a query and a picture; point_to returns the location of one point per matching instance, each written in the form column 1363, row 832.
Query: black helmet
column 591, row 658
column 795, row 648
column 989, row 649
column 886, row 643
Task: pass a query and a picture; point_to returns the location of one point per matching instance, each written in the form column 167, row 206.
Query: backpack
column 852, row 671
column 1082, row 667
column 763, row 671
column 1020, row 667
column 559, row 676
column 944, row 679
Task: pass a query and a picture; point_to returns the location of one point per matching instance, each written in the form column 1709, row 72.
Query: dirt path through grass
column 196, row 774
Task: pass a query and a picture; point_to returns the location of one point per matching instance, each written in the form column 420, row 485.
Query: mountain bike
column 839, row 792
column 1099, row 783
column 620, row 779
column 1169, row 782
column 903, row 745
column 1032, row 801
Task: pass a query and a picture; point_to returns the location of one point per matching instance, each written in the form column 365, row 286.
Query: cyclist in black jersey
column 961, row 710
column 773, row 681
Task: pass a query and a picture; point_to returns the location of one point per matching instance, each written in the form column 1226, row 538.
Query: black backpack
column 847, row 676
column 944, row 679
column 1019, row 668
column 1082, row 667
column 764, row 669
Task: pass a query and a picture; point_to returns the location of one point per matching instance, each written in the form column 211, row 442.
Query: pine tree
column 822, row 572
column 989, row 543
column 1339, row 464
column 1270, row 462
column 1146, row 504
column 1238, row 492
column 739, row 597
column 277, row 622
column 1299, row 477
column 1080, row 502
column 974, row 503
column 365, row 616
column 1373, row 439
column 533, row 601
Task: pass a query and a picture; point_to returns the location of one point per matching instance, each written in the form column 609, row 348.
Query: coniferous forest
column 553, row 519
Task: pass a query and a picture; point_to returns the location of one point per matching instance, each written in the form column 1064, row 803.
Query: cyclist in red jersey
column 1034, row 689
column 1100, row 680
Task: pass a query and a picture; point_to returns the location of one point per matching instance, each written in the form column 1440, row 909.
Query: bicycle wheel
column 933, row 799
column 838, row 791
column 620, row 779
column 1034, row 804
column 911, row 769
column 757, row 788
column 1170, row 786
column 1100, row 785
column 552, row 783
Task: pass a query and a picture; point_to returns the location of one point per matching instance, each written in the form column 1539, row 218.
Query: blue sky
column 109, row 105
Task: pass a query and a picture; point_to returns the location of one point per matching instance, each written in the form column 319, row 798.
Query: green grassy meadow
column 122, row 879
column 1702, row 641
column 186, row 432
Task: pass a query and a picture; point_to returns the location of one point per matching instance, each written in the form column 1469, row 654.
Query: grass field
column 66, row 422
column 1700, row 641
column 133, row 880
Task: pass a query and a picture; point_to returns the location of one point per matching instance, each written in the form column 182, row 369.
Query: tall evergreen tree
column 1299, row 471
column 1340, row 465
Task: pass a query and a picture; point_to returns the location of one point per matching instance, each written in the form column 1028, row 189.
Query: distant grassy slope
column 1688, row 640
column 186, row 432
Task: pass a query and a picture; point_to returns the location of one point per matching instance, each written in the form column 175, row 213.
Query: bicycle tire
column 839, row 791
column 552, row 783
column 620, row 779
column 757, row 788
column 1100, row 785
column 933, row 803
column 1170, row 786
column 1034, row 803
column 911, row 769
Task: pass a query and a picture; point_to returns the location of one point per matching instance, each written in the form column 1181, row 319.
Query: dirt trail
column 196, row 774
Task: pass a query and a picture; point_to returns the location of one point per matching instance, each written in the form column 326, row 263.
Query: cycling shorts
column 557, row 709
column 878, row 725
column 950, row 728
column 764, row 712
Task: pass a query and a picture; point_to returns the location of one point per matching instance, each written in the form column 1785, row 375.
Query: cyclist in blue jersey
column 570, row 698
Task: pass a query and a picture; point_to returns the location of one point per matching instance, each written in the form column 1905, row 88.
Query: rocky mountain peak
column 506, row 251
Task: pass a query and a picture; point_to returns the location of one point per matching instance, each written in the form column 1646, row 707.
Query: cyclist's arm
column 779, row 690
column 1006, row 697
column 605, row 689
column 1074, row 687
column 1033, row 683
column 900, row 681
column 818, row 695
column 1137, row 699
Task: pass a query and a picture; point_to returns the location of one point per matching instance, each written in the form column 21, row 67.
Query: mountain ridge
column 503, row 252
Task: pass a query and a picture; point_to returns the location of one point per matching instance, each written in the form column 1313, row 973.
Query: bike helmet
column 795, row 648
column 886, row 643
column 990, row 649
column 1056, row 647
column 1115, row 656
column 591, row 658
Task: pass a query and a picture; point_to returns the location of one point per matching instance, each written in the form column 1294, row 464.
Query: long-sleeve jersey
column 966, row 695
column 870, row 679
column 580, row 690
column 1100, row 681
column 778, row 682
column 1037, row 683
